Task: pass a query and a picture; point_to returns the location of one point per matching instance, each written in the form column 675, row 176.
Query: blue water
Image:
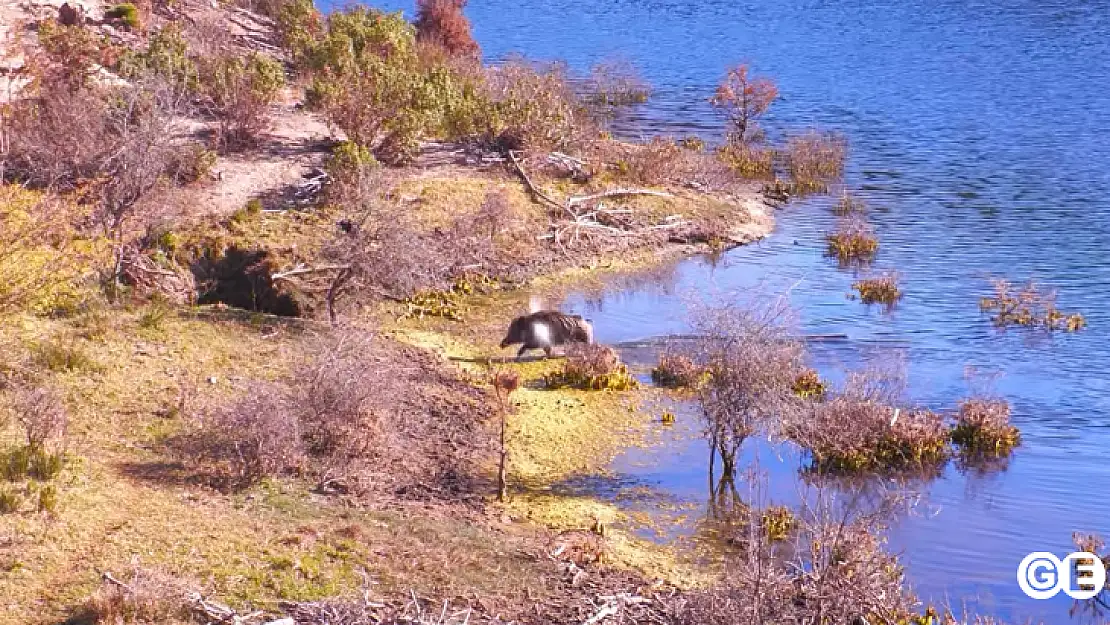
column 979, row 137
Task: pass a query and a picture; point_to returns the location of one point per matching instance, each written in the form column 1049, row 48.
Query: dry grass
column 849, row 205
column 808, row 385
column 145, row 596
column 879, row 290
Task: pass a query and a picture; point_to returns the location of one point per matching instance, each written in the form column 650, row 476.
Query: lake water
column 979, row 137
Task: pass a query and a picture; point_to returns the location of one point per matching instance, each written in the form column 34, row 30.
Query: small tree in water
column 743, row 99
column 752, row 362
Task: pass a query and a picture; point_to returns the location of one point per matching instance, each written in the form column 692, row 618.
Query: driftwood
column 578, row 218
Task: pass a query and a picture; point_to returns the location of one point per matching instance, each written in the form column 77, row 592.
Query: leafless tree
column 752, row 361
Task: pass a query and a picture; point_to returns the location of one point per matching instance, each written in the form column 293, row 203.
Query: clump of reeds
column 808, row 385
column 853, row 241
column 983, row 427
column 747, row 160
column 677, row 371
column 814, row 160
column 1029, row 306
column 592, row 367
column 879, row 290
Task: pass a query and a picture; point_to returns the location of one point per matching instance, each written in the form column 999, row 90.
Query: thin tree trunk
column 502, row 486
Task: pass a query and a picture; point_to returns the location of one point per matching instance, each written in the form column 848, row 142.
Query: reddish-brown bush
column 442, row 22
column 743, row 99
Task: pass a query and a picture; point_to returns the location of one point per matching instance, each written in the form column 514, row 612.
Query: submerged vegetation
column 853, row 242
column 983, row 428
column 879, row 290
column 1029, row 306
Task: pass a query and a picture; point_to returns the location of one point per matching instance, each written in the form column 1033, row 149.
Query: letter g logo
column 1038, row 575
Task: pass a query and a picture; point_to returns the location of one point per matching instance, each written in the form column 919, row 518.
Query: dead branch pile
column 585, row 221
column 146, row 276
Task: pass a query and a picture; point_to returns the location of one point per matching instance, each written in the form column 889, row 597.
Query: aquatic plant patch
column 594, row 368
column 879, row 290
column 983, row 428
column 1030, row 306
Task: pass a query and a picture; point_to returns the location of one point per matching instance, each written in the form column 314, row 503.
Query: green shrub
column 126, row 13
column 166, row 55
column 239, row 90
column 299, row 28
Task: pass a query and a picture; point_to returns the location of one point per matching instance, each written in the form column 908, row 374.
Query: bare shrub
column 255, row 437
column 442, row 22
column 853, row 242
column 677, row 371
column 504, row 383
column 592, row 367
column 335, row 396
column 834, row 569
column 533, row 107
column 743, row 100
column 240, row 90
column 863, row 428
column 495, row 213
column 42, row 414
column 1029, row 306
column 752, row 361
column 814, row 160
column 654, row 163
column 147, row 596
column 983, row 427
